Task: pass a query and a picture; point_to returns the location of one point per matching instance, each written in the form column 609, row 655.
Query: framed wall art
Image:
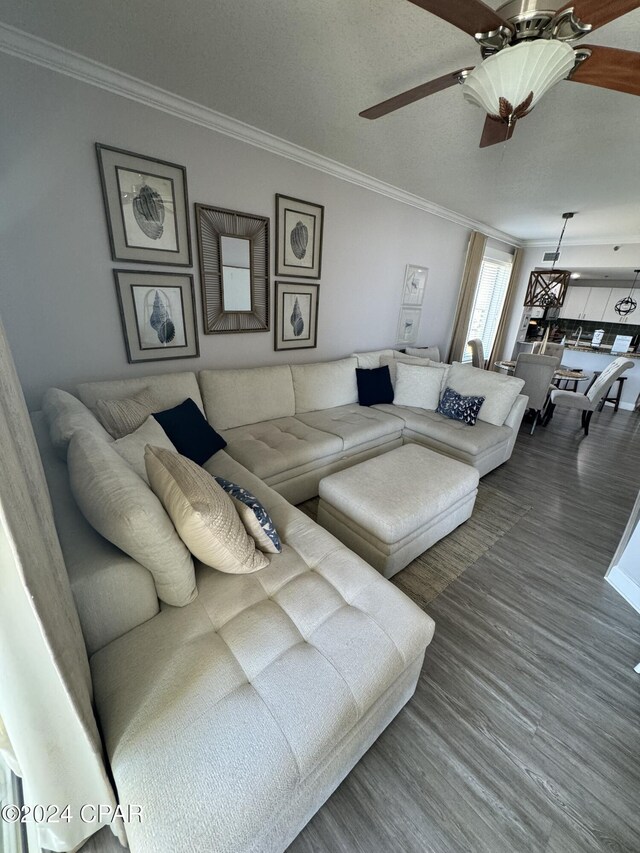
column 158, row 315
column 233, row 249
column 408, row 325
column 415, row 279
column 299, row 227
column 296, row 325
column 146, row 206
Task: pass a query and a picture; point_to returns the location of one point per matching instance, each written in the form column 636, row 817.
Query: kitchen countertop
column 598, row 351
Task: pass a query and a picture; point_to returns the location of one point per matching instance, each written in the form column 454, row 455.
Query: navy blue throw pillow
column 374, row 386
column 459, row 408
column 189, row 432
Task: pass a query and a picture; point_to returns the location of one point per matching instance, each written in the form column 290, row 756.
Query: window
column 488, row 302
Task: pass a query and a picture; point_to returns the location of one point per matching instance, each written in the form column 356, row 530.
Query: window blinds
column 487, row 304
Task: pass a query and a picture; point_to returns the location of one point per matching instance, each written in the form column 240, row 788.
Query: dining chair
column 550, row 349
column 588, row 402
column 537, row 372
column 477, row 353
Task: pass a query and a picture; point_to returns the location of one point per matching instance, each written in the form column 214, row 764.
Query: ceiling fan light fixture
column 511, row 82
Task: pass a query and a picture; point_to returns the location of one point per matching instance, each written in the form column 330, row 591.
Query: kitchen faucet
column 578, row 332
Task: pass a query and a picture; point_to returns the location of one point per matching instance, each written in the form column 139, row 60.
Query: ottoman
column 391, row 508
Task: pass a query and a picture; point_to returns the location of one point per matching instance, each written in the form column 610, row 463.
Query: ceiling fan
column 525, row 46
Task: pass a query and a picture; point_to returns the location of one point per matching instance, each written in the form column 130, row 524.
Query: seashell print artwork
column 297, row 323
column 160, row 319
column 299, row 238
column 149, row 213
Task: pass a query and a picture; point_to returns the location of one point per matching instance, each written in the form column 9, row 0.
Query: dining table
column 562, row 374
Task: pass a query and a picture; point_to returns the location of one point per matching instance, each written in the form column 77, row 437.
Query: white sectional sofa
column 231, row 719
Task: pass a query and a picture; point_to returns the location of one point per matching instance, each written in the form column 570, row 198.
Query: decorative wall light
column 627, row 305
column 547, row 288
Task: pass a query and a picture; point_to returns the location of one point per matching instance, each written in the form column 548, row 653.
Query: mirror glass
column 236, row 273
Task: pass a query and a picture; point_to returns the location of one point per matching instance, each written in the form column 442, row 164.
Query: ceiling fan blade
column 599, row 12
column 421, row 91
column 495, row 132
column 609, row 68
column 471, row 16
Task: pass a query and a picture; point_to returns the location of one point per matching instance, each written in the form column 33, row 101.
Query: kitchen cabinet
column 575, row 302
column 589, row 303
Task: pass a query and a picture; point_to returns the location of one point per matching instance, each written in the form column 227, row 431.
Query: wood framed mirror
column 233, row 249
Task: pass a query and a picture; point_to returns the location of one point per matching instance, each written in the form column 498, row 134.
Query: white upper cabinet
column 596, row 303
column 575, row 302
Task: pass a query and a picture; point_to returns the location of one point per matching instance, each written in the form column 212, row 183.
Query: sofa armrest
column 514, row 419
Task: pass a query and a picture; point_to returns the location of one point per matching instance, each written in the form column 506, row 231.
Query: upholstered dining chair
column 550, row 349
column 537, row 372
column 588, row 402
column 477, row 353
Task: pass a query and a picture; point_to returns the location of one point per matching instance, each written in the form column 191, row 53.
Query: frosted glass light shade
column 515, row 72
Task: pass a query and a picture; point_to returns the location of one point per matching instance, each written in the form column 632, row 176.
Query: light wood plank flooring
column 523, row 734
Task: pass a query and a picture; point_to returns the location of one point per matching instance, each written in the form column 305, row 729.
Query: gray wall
column 57, row 296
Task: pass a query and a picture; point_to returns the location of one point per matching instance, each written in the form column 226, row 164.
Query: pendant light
column 627, row 305
column 547, row 288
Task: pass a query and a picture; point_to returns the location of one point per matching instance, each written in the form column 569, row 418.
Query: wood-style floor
column 524, row 732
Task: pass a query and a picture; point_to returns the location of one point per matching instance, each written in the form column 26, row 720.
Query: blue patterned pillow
column 458, row 408
column 255, row 518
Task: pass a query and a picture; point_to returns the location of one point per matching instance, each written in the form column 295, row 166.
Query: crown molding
column 601, row 241
column 33, row 49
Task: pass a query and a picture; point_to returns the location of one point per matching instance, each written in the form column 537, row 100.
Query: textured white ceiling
column 302, row 70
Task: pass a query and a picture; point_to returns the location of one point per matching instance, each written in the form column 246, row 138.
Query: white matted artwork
column 158, row 315
column 408, row 325
column 296, row 325
column 415, row 279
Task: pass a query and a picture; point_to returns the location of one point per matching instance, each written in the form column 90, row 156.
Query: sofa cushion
column 202, row 512
column 254, row 516
column 168, row 389
column 374, row 385
column 131, row 447
column 424, row 352
column 355, row 425
column 499, row 391
column 369, row 360
column 418, row 386
column 65, row 414
column 123, row 509
column 280, row 664
column 272, row 447
column 454, row 434
column 189, row 431
column 324, row 385
column 234, row 398
column 460, row 408
column 124, row 415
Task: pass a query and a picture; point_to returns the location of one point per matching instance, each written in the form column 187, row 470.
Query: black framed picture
column 296, row 325
column 299, row 227
column 146, row 206
column 158, row 315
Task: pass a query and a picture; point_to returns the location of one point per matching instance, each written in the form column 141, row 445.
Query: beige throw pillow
column 202, row 512
column 65, row 414
column 123, row 509
column 418, row 386
column 120, row 417
column 132, row 446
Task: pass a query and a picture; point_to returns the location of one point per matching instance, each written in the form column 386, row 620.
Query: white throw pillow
column 424, row 352
column 499, row 391
column 370, row 360
column 123, row 509
column 418, row 386
column 132, row 446
column 202, row 512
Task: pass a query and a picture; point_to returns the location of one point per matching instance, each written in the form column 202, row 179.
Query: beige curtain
column 497, row 353
column 473, row 263
column 49, row 733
